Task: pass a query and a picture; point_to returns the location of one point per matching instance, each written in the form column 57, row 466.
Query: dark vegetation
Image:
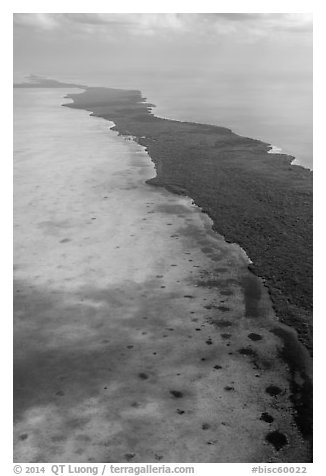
column 255, row 199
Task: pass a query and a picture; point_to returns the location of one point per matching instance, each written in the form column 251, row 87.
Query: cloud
column 261, row 24
column 248, row 25
column 44, row 21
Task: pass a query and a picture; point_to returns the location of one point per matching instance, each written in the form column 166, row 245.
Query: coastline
column 260, row 202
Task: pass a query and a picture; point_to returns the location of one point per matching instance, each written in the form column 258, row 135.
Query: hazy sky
column 78, row 45
column 251, row 72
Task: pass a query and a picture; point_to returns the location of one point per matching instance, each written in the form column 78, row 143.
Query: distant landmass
column 34, row 81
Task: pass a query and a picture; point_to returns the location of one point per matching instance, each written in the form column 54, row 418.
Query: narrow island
column 255, row 199
column 258, row 200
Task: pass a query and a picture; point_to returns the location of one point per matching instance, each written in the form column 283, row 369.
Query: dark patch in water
column 265, row 364
column 209, row 341
column 172, row 209
column 217, row 367
column 252, row 294
column 226, row 292
column 129, row 456
column 223, row 324
column 258, row 362
column 228, row 388
column 181, row 412
column 226, row 336
column 254, row 336
column 248, row 351
column 300, row 384
column 266, row 417
column 207, row 250
column 210, row 283
column 176, row 393
column 273, row 390
column 143, row 376
column 223, row 308
column 23, row 437
column 205, row 426
column 277, row 439
column 216, row 258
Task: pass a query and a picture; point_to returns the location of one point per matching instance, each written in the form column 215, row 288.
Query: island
column 258, row 200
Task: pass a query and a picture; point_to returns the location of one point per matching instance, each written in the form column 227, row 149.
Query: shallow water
column 140, row 335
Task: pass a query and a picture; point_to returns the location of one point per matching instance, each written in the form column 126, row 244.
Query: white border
column 167, row 6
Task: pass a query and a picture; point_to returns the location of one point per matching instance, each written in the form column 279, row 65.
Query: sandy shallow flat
column 140, row 335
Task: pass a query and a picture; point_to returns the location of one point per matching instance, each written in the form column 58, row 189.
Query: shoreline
column 298, row 318
column 263, row 205
column 269, row 201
